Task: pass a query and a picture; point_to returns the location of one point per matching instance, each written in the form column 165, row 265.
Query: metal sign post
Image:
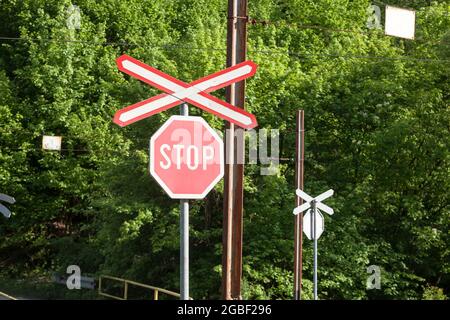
column 184, row 235
column 313, row 225
column 314, row 228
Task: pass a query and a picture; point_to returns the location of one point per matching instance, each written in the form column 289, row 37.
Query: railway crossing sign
column 186, row 157
column 313, row 224
column 177, row 92
column 186, row 154
column 4, row 210
column 308, row 199
column 308, row 227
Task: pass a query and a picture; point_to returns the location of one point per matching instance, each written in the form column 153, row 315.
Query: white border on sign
column 152, row 152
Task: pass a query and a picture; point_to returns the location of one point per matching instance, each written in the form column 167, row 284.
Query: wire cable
column 291, row 25
column 269, row 52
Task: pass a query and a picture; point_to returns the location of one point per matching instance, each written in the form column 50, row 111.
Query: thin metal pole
column 184, row 109
column 184, row 236
column 184, row 252
column 314, row 213
column 298, row 234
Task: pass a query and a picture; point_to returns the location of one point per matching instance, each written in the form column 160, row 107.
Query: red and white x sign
column 177, row 92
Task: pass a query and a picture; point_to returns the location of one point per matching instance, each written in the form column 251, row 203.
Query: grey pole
column 314, row 228
column 184, row 235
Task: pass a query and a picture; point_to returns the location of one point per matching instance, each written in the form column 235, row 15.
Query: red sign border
column 152, row 162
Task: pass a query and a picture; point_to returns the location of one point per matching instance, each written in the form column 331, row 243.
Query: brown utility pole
column 298, row 232
column 234, row 154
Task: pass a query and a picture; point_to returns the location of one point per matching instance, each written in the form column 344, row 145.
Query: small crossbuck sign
column 313, row 222
column 308, row 199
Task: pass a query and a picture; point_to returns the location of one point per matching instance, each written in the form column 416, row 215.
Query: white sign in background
column 51, row 143
column 308, row 227
column 400, row 22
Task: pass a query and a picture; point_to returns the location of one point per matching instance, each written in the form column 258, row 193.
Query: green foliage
column 434, row 293
column 377, row 131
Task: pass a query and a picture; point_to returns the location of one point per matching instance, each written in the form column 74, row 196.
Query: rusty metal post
column 298, row 233
column 234, row 164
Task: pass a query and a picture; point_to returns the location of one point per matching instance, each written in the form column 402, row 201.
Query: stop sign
column 186, row 157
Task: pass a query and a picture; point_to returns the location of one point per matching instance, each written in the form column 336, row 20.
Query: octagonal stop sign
column 186, row 157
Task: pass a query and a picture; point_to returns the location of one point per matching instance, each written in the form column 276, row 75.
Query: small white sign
column 400, row 22
column 51, row 143
column 308, row 224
